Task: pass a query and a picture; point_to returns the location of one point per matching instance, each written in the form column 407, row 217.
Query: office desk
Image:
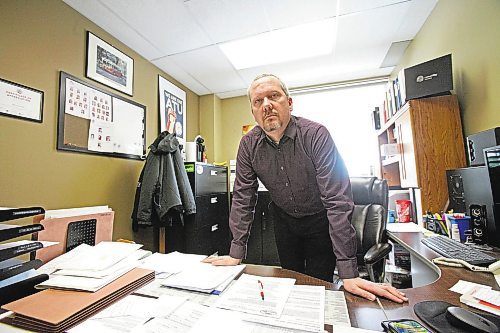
column 368, row 315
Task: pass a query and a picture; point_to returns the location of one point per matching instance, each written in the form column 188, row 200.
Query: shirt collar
column 290, row 131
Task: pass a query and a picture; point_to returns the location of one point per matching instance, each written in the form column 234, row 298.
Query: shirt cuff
column 237, row 251
column 347, row 269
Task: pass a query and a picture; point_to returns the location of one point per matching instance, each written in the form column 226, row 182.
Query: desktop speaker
column 472, row 187
column 476, row 143
column 478, row 224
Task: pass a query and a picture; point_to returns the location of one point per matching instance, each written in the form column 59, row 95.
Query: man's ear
column 290, row 104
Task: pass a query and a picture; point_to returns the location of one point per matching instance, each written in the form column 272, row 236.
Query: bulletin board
column 95, row 121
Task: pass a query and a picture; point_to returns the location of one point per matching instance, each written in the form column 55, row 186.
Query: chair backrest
column 369, row 217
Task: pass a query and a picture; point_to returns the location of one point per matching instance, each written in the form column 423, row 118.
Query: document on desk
column 90, row 279
column 304, row 310
column 129, row 313
column 155, row 289
column 202, row 277
column 336, row 312
column 181, row 320
column 100, row 256
column 172, row 263
column 258, row 295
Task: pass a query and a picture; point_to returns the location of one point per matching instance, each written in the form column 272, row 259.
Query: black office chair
column 369, row 219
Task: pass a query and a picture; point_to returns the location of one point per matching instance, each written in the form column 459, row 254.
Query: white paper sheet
column 336, row 312
column 244, row 295
column 173, row 262
column 203, row 277
column 304, row 310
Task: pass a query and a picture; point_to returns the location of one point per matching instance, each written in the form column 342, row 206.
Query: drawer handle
column 215, row 227
column 213, row 200
column 213, row 172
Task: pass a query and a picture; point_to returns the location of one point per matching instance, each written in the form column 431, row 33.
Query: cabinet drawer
column 206, row 178
column 208, row 240
column 211, row 208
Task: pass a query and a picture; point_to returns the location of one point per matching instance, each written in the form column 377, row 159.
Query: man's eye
column 257, row 102
column 275, row 96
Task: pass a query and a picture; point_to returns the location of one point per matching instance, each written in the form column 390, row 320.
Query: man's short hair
column 283, row 85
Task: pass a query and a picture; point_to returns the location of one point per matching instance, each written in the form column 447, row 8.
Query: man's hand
column 370, row 290
column 222, row 261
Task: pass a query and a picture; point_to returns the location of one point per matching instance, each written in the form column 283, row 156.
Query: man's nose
column 266, row 103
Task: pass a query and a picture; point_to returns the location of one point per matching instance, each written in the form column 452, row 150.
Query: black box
column 477, row 142
column 430, row 78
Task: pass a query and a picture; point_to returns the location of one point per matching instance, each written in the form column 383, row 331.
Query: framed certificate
column 19, row 101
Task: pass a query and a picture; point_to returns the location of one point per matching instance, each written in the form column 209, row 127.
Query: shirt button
column 291, row 198
column 286, row 184
column 295, row 210
column 281, row 168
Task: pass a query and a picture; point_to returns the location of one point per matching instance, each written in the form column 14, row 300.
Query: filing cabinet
column 207, row 231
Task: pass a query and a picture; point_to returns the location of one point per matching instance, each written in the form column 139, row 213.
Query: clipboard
column 56, row 230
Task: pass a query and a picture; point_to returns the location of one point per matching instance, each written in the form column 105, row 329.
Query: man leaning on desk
column 296, row 159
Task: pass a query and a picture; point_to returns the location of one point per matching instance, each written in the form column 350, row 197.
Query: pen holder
column 436, row 226
column 463, row 225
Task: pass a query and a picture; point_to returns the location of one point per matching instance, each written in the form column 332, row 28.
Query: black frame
column 61, row 121
column 27, row 88
column 99, row 77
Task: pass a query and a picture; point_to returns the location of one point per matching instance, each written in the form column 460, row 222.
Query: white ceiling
column 181, row 37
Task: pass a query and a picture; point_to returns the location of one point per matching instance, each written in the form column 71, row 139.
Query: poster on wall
column 172, row 109
column 20, row 101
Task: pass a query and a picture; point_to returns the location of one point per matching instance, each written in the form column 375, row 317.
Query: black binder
column 17, row 213
column 15, row 249
column 12, row 267
column 13, row 231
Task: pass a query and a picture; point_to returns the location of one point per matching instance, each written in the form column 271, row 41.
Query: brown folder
column 54, row 310
column 56, row 230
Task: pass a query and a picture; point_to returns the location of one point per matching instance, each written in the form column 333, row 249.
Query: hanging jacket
column 163, row 193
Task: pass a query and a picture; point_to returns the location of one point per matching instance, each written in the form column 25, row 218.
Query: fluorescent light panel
column 298, row 42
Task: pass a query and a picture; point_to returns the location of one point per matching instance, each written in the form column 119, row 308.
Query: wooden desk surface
column 366, row 314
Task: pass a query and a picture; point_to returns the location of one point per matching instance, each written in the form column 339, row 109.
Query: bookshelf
column 427, row 136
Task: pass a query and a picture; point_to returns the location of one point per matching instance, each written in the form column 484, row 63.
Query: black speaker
column 478, row 221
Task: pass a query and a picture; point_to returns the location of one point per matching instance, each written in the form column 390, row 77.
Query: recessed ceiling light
column 277, row 46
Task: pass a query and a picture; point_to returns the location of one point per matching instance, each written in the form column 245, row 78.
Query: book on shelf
column 7, row 214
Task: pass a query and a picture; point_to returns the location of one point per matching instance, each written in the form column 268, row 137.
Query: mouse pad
column 433, row 313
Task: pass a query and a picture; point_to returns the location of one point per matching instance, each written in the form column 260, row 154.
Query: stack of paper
column 171, row 263
column 90, row 268
column 204, row 277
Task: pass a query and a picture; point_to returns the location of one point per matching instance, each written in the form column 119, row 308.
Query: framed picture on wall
column 172, row 102
column 19, row 101
column 108, row 65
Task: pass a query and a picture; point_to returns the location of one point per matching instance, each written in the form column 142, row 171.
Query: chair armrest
column 377, row 252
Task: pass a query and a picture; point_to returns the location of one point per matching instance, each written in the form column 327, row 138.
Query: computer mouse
column 466, row 319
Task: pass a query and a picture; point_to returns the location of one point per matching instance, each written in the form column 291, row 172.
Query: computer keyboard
column 450, row 248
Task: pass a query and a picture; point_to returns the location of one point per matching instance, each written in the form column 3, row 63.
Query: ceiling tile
column 286, row 13
column 165, row 23
column 171, row 68
column 225, row 20
column 211, row 68
column 100, row 15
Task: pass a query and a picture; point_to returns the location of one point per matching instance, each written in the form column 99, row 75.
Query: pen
column 383, row 310
column 261, row 289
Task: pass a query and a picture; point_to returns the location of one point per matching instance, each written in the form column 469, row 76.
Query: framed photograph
column 172, row 109
column 108, row 65
column 19, row 101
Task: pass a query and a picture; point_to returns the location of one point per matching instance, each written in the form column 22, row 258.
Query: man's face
column 271, row 108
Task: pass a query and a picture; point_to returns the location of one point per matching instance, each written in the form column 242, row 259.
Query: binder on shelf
column 14, row 249
column 68, row 308
column 12, row 267
column 8, row 231
column 22, row 288
column 56, row 230
column 7, row 214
